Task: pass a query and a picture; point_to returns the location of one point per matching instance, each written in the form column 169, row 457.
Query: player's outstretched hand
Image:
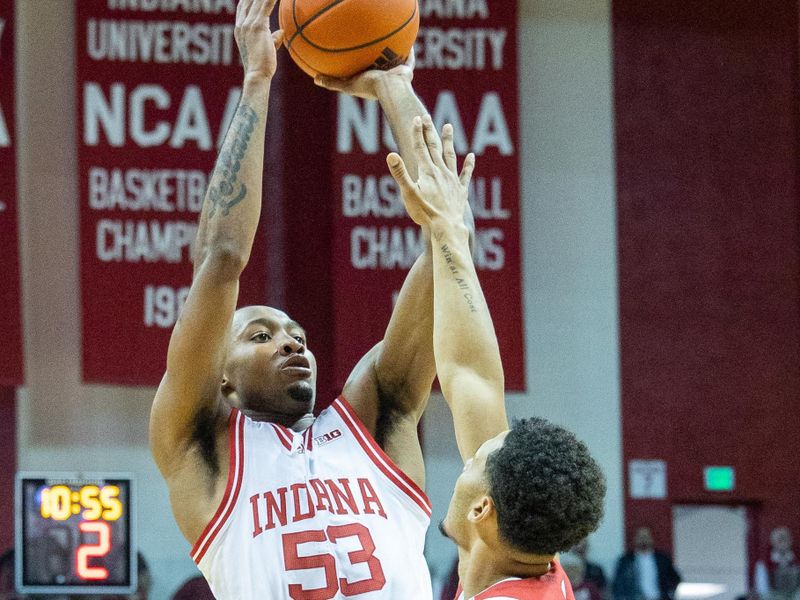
column 258, row 46
column 440, row 192
column 365, row 85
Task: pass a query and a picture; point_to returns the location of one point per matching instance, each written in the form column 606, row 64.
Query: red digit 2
column 87, row 551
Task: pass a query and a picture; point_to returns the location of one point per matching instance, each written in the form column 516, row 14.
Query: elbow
column 224, row 260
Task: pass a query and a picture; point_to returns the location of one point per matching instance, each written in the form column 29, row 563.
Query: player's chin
column 301, row 392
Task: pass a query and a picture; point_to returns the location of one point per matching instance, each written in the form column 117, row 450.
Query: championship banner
column 11, row 364
column 158, row 83
column 466, row 74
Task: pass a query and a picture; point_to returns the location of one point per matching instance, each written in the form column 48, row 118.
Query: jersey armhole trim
column 382, row 461
column 234, row 485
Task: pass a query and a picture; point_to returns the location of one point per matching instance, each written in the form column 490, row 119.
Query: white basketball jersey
column 315, row 515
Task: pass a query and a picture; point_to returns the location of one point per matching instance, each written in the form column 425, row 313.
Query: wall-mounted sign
column 647, row 479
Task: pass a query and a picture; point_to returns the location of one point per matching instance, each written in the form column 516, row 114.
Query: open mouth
column 297, row 364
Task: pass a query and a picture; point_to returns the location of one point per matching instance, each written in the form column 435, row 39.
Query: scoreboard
column 75, row 533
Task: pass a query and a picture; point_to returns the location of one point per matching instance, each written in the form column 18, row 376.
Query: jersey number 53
column 333, row 584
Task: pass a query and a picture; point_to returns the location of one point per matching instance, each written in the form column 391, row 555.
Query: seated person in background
column 593, row 572
column 7, row 576
column 449, row 587
column 144, row 582
column 574, row 566
column 195, row 588
column 645, row 573
column 779, row 577
column 525, row 493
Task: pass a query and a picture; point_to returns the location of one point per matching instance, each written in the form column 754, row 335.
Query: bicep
column 478, row 407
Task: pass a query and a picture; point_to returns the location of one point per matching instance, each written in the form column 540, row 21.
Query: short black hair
column 546, row 487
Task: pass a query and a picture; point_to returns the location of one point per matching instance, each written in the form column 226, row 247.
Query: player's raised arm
column 190, row 389
column 464, row 342
column 390, row 386
column 395, row 92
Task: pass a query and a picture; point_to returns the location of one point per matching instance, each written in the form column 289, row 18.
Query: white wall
column 569, row 217
column 569, row 254
column 569, row 270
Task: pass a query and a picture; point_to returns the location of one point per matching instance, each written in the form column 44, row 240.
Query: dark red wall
column 8, row 465
column 707, row 134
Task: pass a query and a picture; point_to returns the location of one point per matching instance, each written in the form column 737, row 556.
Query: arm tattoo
column 462, row 284
column 223, row 194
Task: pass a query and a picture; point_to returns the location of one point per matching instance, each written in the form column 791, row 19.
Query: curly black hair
column 547, row 488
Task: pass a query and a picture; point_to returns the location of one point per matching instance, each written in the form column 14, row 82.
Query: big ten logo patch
column 327, row 438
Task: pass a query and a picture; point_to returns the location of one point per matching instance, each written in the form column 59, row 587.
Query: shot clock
column 75, row 534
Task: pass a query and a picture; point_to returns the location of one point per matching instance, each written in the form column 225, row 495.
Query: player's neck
column 302, row 423
column 288, row 421
column 480, row 567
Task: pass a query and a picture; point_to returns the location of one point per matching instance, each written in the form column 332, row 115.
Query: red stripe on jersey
column 283, row 436
column 309, row 437
column 235, row 472
column 553, row 585
column 379, row 457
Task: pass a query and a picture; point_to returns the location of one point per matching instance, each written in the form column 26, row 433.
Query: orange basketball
column 340, row 38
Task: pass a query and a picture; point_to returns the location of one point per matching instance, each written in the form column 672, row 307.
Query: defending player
column 277, row 504
column 525, row 493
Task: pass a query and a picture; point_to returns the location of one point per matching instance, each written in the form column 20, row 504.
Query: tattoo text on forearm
column 223, row 195
column 460, row 281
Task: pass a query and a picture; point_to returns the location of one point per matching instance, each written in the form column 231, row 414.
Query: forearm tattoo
column 224, row 195
column 462, row 284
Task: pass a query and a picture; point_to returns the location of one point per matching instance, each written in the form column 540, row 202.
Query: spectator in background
column 593, row 572
column 574, row 566
column 450, row 583
column 645, row 573
column 195, row 588
column 7, row 576
column 7, row 589
column 779, row 577
column 145, row 582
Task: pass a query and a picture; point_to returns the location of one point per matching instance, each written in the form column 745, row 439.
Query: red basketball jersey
column 553, row 585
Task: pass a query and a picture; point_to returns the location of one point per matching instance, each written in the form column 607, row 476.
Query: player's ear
column 481, row 510
column 227, row 390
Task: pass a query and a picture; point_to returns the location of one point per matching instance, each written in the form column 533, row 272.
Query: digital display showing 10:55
column 75, row 533
column 60, row 502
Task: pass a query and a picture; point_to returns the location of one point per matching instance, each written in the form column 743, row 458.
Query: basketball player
column 525, row 493
column 276, row 503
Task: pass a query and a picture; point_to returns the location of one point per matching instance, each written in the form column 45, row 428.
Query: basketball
column 340, row 38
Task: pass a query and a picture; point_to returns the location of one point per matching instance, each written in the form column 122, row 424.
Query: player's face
column 269, row 365
column 471, row 487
